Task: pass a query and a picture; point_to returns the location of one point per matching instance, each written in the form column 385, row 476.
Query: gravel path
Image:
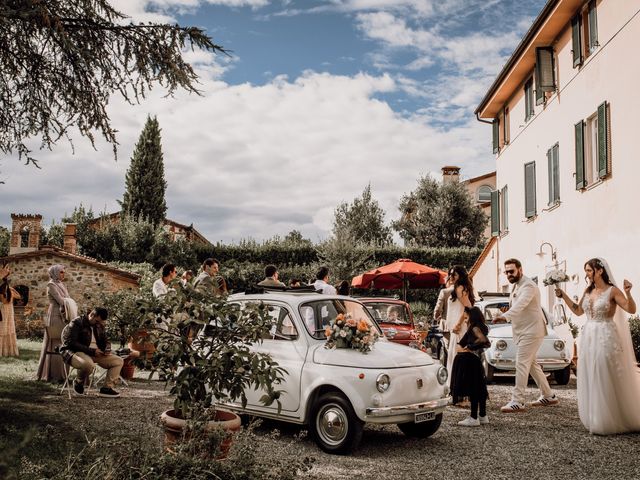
column 542, row 443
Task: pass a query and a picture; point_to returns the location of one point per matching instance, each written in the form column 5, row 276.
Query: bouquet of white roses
column 555, row 276
column 346, row 332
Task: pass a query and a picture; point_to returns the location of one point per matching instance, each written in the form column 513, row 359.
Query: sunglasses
column 509, row 272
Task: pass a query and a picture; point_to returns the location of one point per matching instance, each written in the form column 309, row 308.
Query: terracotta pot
column 143, row 344
column 128, row 369
column 229, row 422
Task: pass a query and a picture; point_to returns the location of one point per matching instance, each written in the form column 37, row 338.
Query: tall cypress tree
column 145, row 183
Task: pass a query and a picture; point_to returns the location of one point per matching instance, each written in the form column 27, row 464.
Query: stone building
column 85, row 279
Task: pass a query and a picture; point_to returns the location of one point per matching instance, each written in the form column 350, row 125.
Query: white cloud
column 255, row 161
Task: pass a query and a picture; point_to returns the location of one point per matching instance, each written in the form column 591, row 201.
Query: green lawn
column 40, row 427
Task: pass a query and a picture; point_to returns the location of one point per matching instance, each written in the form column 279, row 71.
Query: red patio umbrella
column 402, row 274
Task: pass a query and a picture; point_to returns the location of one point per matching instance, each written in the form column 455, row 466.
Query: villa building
column 565, row 133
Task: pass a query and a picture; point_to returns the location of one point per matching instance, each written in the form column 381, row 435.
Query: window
column 506, row 134
column 504, row 208
column 319, row 314
column 584, row 33
column 545, row 73
column 554, row 174
column 282, row 327
column 529, row 109
column 496, row 135
column 501, row 135
column 530, row 189
column 484, row 193
column 24, row 237
column 593, row 161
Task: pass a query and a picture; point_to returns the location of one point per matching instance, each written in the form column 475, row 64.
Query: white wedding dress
column 608, row 381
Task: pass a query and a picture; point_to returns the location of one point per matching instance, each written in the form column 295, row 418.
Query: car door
column 288, row 348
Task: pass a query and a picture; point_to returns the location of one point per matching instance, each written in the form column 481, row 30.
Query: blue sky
column 318, row 99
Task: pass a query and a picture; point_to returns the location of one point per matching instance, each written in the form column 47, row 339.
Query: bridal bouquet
column 555, row 276
column 346, row 332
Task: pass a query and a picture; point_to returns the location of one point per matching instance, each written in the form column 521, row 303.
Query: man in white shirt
column 321, row 283
column 160, row 287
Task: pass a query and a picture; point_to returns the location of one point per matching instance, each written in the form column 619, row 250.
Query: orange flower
column 351, row 322
column 327, row 332
column 363, row 326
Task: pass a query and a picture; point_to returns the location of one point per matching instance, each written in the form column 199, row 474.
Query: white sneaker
column 513, row 407
column 484, row 420
column 469, row 422
column 546, row 401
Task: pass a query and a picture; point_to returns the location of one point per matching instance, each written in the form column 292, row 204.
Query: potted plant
column 202, row 349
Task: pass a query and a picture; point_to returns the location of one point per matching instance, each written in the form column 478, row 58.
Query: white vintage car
column 555, row 353
column 336, row 391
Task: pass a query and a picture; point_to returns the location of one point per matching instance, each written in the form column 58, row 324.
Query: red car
column 394, row 317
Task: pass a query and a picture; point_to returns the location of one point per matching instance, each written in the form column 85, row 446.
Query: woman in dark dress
column 467, row 377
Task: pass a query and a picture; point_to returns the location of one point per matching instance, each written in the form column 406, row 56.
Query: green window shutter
column 593, row 26
column 544, row 73
column 504, row 202
column 496, row 135
column 555, row 160
column 528, row 100
column 505, row 124
column 530, row 189
column 603, row 146
column 495, row 213
column 576, row 39
column 550, row 168
column 581, row 180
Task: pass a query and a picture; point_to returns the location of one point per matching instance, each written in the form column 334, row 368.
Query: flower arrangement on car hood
column 346, row 332
column 555, row 276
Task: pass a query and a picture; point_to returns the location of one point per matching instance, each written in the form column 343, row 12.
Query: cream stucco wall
column 603, row 220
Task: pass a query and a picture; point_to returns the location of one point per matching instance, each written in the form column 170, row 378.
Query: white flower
column 343, row 333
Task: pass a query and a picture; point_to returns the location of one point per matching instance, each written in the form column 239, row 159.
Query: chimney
column 70, row 243
column 25, row 233
column 450, row 174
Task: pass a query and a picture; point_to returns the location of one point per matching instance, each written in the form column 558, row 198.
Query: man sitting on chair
column 84, row 343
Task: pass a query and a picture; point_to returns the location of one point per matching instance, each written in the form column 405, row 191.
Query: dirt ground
column 543, row 443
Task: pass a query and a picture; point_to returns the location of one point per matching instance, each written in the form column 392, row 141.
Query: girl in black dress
column 467, row 375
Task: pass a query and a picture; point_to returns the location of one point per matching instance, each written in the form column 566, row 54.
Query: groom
column 529, row 329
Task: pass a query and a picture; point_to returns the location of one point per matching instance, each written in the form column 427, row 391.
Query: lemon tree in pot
column 203, row 350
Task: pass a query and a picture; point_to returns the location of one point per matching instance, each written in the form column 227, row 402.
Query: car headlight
column 383, row 382
column 501, row 345
column 442, row 375
column 558, row 345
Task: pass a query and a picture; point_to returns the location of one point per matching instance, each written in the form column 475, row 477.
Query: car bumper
column 407, row 410
column 547, row 364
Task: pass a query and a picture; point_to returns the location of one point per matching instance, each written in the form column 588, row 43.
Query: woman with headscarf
column 8, row 341
column 51, row 367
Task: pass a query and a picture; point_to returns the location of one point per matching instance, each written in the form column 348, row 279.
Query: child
column 467, row 375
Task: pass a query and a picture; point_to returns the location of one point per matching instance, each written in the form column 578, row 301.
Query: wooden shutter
column 581, row 180
column 495, row 213
column 504, row 204
column 544, row 72
column 505, row 125
column 496, row 135
column 576, row 39
column 528, row 100
column 593, row 26
column 603, row 144
column 550, row 169
column 530, row 189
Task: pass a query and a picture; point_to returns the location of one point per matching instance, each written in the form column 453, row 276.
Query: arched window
column 24, row 237
column 484, row 193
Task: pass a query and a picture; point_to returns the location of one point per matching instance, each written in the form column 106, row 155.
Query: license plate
column 424, row 417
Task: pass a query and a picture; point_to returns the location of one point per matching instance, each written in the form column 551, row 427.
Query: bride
column 608, row 379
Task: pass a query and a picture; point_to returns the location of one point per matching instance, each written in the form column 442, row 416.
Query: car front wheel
column 334, row 425
column 489, row 370
column 563, row 376
column 421, row 430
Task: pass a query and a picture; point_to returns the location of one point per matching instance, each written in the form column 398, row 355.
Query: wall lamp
column 553, row 251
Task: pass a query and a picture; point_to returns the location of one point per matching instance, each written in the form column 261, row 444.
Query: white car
column 555, row 353
column 336, row 391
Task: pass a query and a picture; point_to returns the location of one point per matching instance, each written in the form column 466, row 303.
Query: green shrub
column 634, row 326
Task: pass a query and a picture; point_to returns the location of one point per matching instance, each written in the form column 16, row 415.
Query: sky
column 318, row 99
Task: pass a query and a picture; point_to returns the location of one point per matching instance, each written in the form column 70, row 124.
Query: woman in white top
column 461, row 297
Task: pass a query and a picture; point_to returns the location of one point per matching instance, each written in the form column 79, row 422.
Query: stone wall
column 84, row 281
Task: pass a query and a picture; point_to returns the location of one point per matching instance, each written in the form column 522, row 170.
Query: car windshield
column 494, row 309
column 319, row 314
column 387, row 312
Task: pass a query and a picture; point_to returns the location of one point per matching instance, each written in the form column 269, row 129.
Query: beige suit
column 529, row 330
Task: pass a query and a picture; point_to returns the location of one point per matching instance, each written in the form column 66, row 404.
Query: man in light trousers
column 529, row 329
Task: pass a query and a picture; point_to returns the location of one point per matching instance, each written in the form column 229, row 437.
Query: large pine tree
column 145, row 183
